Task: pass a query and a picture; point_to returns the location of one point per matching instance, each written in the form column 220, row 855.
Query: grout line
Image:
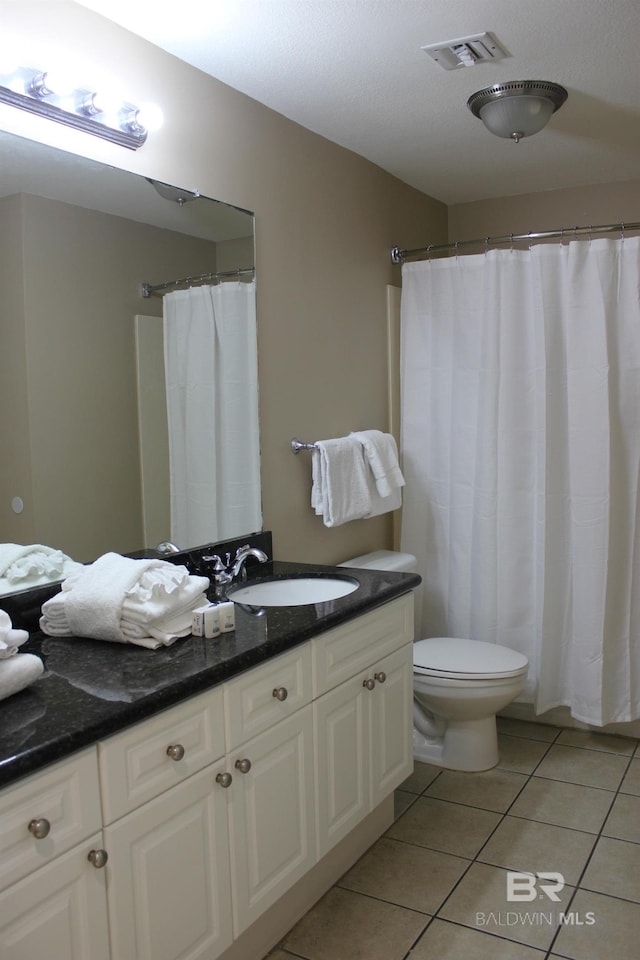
column 615, row 793
column 547, row 952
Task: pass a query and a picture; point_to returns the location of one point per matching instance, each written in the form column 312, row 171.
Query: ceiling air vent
column 466, row 51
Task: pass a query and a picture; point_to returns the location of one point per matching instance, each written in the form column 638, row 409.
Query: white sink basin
column 292, row 591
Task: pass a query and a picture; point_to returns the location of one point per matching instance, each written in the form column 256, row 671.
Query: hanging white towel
column 340, row 490
column 381, row 454
column 383, row 504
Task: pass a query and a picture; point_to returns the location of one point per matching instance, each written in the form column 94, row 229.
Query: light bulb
column 150, row 116
column 52, row 83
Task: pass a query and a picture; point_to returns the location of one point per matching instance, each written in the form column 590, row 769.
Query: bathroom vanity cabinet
column 169, row 839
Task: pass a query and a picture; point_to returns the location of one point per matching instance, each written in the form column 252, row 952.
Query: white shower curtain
column 211, row 372
column 521, row 447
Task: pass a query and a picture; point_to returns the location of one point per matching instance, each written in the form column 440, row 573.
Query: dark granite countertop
column 91, row 689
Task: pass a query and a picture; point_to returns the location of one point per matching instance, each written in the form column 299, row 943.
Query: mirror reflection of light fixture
column 174, row 194
column 40, row 92
column 517, row 109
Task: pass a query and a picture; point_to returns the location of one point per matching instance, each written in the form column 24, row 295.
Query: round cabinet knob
column 224, row 779
column 380, row 677
column 369, row 683
column 243, row 765
column 281, row 693
column 40, row 828
column 175, row 751
column 98, row 858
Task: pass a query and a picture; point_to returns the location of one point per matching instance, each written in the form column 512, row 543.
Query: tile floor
column 434, row 887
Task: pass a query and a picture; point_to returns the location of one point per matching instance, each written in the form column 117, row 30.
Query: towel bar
column 298, row 445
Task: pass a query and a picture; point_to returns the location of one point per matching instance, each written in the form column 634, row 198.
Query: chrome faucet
column 241, row 556
column 224, row 571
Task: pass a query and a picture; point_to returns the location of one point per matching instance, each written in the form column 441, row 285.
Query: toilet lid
column 471, row 659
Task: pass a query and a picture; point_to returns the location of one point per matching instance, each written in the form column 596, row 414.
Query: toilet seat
column 455, row 658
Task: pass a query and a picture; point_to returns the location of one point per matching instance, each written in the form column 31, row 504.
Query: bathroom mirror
column 77, row 241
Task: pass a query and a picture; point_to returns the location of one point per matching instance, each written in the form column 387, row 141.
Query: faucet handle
column 219, row 569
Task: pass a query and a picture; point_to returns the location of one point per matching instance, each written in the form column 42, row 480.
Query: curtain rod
column 149, row 290
column 399, row 256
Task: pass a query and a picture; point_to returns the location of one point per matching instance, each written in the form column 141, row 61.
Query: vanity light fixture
column 51, row 95
column 518, row 108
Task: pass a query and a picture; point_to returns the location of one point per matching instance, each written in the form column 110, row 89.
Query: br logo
column 526, row 886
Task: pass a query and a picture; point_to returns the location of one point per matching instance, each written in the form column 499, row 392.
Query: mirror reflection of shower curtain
column 211, row 369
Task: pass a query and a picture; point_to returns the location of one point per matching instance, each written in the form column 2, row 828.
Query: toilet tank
column 384, row 560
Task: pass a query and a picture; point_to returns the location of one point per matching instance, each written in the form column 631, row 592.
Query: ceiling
column 354, row 72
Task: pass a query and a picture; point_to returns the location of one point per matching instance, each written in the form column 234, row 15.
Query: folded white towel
column 18, row 672
column 23, row 566
column 10, row 639
column 146, row 602
column 381, row 453
column 340, row 491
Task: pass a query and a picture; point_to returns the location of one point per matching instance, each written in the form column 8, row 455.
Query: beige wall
column 15, row 472
column 325, row 221
column 579, row 206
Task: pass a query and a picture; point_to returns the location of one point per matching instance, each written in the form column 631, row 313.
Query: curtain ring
column 511, row 235
column 590, row 234
column 622, row 232
column 530, row 240
column 429, row 251
column 457, row 244
column 486, row 246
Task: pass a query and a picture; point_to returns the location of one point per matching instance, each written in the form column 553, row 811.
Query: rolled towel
column 18, row 672
column 341, row 489
column 10, row 639
column 381, row 454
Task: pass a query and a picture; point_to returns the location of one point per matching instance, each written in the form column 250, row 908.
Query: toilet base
column 469, row 745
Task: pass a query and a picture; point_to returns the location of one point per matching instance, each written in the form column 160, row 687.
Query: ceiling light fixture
column 517, row 109
column 41, row 93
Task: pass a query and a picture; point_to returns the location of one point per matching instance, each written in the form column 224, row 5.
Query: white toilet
column 458, row 687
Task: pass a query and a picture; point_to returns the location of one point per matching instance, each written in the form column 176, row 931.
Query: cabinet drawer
column 256, row 700
column 344, row 651
column 152, row 756
column 66, row 796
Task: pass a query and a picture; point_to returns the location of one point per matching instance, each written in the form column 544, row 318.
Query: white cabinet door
column 271, row 815
column 57, row 911
column 168, row 872
column 363, row 744
column 391, row 712
column 342, row 759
